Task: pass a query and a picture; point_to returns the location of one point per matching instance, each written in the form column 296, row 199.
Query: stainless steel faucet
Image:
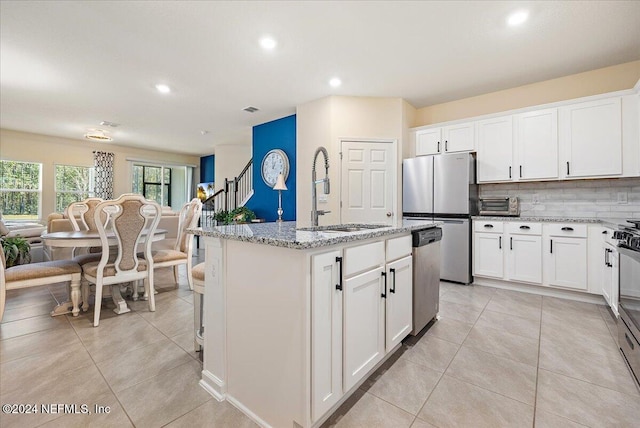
column 315, row 212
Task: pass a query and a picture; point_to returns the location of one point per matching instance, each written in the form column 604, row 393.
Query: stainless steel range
column 629, row 304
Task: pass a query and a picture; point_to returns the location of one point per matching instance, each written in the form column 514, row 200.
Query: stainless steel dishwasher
column 426, row 276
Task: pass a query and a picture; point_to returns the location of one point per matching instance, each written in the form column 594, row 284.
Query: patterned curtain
column 103, row 163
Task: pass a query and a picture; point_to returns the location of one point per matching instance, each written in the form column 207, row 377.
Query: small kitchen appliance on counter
column 629, row 303
column 500, row 206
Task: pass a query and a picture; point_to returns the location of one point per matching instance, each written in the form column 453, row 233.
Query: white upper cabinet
column 453, row 138
column 537, row 145
column 495, row 149
column 428, row 141
column 591, row 139
column 458, row 138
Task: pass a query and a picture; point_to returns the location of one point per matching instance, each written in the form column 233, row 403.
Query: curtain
column 103, row 164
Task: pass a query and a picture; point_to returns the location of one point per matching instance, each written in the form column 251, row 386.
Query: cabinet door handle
column 489, row 226
column 606, row 257
column 567, row 167
column 629, row 341
column 384, row 276
column 551, row 246
column 567, row 229
column 525, row 227
column 393, row 283
column 509, row 172
column 604, row 232
column 511, row 243
column 520, row 171
column 500, row 242
column 339, row 284
column 438, row 146
column 446, row 145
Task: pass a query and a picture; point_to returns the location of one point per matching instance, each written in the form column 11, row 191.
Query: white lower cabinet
column 525, row 258
column 399, row 301
column 549, row 254
column 488, row 256
column 326, row 332
column 610, row 273
column 364, row 324
column 565, row 255
column 361, row 309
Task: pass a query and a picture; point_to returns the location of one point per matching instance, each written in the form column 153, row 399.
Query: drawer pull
column 525, row 227
column 629, row 341
column 500, row 242
column 551, row 246
column 604, row 232
column 489, row 226
column 511, row 243
column 567, row 229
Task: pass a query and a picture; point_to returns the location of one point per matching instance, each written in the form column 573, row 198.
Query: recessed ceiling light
column 162, row 88
column 204, row 132
column 268, row 43
column 335, row 82
column 111, row 124
column 517, row 18
column 97, row 135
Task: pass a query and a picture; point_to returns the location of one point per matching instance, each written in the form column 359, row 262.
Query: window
column 20, row 189
column 153, row 182
column 73, row 183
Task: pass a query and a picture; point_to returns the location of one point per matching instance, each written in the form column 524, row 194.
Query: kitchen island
column 296, row 319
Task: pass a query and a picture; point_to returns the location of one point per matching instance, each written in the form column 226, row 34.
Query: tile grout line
column 454, row 356
column 535, row 396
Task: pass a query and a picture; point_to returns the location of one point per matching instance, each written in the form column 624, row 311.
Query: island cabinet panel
column 399, row 305
column 364, row 324
column 326, row 332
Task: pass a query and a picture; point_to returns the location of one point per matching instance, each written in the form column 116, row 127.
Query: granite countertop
column 286, row 234
column 608, row 222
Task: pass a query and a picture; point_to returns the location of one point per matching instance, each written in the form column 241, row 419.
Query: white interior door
column 368, row 182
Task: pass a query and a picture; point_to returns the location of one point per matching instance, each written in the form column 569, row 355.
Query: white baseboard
column 213, row 385
column 255, row 418
column 541, row 290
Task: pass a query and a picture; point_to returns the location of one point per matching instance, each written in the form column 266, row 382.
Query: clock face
column 274, row 163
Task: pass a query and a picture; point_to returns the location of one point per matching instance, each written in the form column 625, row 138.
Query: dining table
column 88, row 239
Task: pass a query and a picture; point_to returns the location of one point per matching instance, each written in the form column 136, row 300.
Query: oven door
column 629, row 307
column 630, row 283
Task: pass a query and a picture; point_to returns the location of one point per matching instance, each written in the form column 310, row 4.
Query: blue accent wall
column 278, row 134
column 207, row 169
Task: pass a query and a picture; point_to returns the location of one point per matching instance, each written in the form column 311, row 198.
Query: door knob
column 389, row 214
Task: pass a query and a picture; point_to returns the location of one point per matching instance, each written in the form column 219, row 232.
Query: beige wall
column 326, row 122
column 51, row 151
column 230, row 160
column 600, row 81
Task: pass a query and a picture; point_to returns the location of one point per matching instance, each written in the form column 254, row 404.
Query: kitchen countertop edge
column 286, row 235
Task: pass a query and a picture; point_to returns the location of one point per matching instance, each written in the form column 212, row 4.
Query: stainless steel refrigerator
column 443, row 188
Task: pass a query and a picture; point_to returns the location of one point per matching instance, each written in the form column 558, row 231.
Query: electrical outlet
column 536, row 199
column 622, row 197
column 322, row 198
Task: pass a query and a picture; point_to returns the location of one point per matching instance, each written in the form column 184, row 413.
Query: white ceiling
column 66, row 66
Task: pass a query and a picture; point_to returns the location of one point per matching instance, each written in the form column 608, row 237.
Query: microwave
column 500, row 206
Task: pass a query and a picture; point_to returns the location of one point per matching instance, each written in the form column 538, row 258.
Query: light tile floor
column 494, row 359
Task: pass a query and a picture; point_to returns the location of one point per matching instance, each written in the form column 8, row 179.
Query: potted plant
column 238, row 215
column 16, row 250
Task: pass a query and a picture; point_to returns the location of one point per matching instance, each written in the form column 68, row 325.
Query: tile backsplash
column 603, row 198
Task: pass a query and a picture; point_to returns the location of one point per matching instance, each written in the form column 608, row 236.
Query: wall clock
column 274, row 163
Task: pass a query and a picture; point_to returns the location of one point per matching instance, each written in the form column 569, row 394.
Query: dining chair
column 36, row 274
column 81, row 217
column 80, row 214
column 133, row 221
column 182, row 252
column 198, row 305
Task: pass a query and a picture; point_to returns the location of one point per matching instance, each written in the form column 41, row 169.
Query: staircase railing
column 235, row 193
